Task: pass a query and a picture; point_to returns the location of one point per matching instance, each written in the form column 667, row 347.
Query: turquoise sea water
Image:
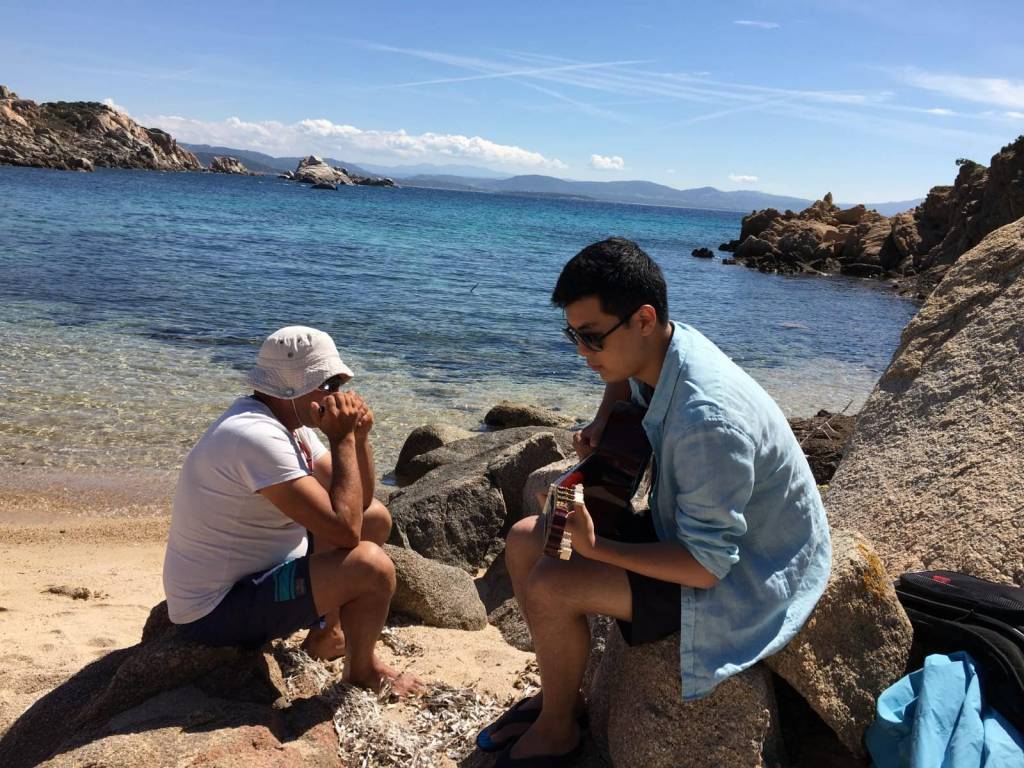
column 132, row 302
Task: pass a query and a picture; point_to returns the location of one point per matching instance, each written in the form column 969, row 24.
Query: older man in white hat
column 253, row 492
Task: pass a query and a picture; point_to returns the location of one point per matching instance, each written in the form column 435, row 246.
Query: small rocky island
column 915, row 247
column 226, row 164
column 79, row 135
column 314, row 170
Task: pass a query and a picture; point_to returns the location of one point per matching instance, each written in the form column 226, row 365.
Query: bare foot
column 402, row 683
column 383, row 676
column 325, row 644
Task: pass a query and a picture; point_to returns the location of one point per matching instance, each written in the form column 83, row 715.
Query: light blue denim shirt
column 732, row 485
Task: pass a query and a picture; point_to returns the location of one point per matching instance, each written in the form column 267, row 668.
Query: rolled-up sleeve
column 714, row 468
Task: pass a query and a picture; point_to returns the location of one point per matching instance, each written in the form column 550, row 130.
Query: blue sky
column 871, row 100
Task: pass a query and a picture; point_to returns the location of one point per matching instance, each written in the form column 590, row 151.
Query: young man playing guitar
column 735, row 550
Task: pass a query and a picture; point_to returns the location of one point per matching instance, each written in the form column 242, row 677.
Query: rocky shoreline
column 81, row 135
column 913, row 249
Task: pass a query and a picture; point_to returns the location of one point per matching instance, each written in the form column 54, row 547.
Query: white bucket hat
column 294, row 361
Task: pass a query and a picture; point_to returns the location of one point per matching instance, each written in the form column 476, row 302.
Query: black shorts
column 260, row 607
column 655, row 602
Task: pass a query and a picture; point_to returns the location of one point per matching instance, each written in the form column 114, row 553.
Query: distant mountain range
column 474, row 179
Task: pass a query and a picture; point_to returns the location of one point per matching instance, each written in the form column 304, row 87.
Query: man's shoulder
column 246, row 420
column 246, row 414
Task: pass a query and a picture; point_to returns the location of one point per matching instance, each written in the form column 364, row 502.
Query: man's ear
column 647, row 316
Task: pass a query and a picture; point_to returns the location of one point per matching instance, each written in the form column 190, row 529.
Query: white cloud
column 986, row 90
column 115, row 106
column 740, row 178
column 324, row 137
column 607, row 162
column 940, row 111
column 758, row 24
column 1015, row 115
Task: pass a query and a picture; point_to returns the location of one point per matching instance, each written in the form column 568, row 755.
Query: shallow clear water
column 132, row 302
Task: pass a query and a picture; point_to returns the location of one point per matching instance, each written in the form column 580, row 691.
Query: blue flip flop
column 511, row 716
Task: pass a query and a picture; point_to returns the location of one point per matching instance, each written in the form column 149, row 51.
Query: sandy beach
column 80, row 565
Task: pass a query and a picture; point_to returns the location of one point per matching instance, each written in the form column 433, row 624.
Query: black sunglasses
column 333, row 384
column 592, row 340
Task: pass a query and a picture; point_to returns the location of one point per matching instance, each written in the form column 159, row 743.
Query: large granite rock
column 186, row 727
column 477, row 444
column 638, row 716
column 78, row 135
column 167, row 702
column 458, row 512
column 420, row 441
column 508, row 414
column 436, row 594
column 934, row 474
column 855, row 644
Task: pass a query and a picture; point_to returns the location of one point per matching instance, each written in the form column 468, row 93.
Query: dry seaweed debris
column 440, row 726
column 435, row 728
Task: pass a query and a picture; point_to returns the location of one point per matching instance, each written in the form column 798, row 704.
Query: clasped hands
column 341, row 414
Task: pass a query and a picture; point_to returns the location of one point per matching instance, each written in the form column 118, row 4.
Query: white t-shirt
column 221, row 528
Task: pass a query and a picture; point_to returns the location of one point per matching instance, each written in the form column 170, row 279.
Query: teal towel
column 936, row 717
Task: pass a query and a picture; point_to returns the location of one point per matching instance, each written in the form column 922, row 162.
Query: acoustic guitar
column 605, row 481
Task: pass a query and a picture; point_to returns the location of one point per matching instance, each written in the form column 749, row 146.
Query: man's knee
column 375, row 567
column 364, row 568
column 542, row 582
column 376, row 522
column 523, row 545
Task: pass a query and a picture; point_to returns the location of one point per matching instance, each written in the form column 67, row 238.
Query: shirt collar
column 675, row 358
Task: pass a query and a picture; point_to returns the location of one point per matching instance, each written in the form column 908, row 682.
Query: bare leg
column 329, row 642
column 557, row 596
column 361, row 581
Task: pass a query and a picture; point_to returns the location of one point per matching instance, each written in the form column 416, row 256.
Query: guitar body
column 609, row 478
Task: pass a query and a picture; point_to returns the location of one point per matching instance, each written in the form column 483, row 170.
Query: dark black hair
column 619, row 273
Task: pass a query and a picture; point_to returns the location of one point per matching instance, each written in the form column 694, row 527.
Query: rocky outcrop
column 78, row 135
column 420, row 441
column 934, row 474
column 702, row 253
column 507, row 414
column 917, row 246
column 638, row 717
column 855, row 644
column 314, row 170
column 480, row 443
column 226, row 164
column 166, row 701
column 435, row 594
column 459, row 511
